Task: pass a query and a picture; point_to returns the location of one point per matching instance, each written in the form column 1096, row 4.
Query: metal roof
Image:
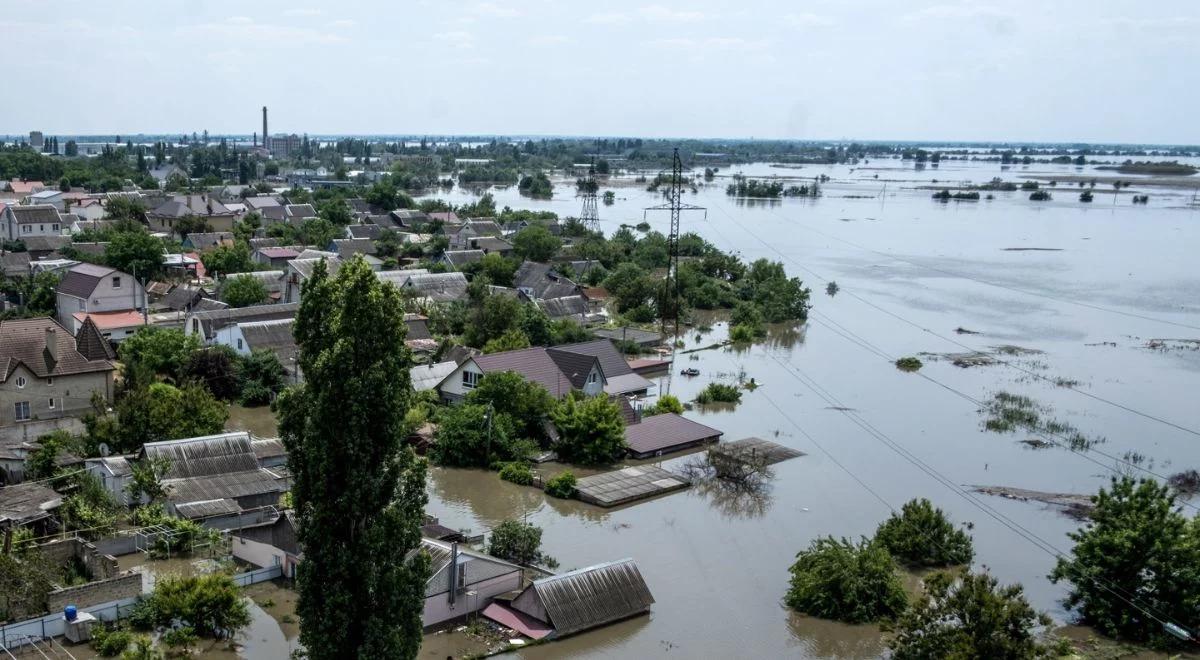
column 593, row 596
column 24, row 503
column 219, row 486
column 205, row 455
column 477, row 567
column 427, row 376
column 207, row 508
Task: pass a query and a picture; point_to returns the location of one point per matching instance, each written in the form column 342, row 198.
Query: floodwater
column 911, row 271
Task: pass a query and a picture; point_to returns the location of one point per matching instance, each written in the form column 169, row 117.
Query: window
column 50, row 381
column 470, row 380
column 41, row 229
column 593, row 377
column 239, row 343
column 55, row 227
column 51, row 404
column 116, row 282
column 21, row 408
column 82, row 305
column 25, row 229
column 21, row 382
column 195, row 325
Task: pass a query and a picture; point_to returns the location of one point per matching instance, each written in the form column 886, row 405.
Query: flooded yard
column 1088, row 286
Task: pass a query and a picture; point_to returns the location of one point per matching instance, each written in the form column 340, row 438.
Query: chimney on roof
column 52, row 345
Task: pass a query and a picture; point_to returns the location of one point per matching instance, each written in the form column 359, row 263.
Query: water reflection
column 821, row 638
column 732, row 501
column 483, row 493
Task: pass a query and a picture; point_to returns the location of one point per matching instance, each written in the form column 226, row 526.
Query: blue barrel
column 70, row 612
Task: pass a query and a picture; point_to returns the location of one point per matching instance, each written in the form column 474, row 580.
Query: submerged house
column 214, row 475
column 666, row 433
column 573, row 602
column 463, row 581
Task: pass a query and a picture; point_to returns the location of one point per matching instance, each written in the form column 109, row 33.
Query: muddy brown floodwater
column 910, row 271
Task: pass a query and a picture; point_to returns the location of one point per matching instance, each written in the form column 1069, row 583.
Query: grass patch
column 719, row 393
column 1007, row 412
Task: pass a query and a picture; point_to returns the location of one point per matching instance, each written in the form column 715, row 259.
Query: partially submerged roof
column 666, row 431
column 593, row 596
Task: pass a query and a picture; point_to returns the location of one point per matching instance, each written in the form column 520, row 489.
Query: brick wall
column 60, row 552
column 95, row 593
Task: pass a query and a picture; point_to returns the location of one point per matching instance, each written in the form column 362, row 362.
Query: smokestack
column 265, row 133
column 52, row 344
column 256, row 138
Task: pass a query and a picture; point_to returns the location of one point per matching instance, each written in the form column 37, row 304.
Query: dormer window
column 21, row 382
column 593, row 377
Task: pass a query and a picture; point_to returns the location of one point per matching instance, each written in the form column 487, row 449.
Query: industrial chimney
column 266, row 142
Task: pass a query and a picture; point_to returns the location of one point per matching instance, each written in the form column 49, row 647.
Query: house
column 574, row 308
column 345, row 248
column 85, row 223
column 597, row 297
column 164, row 172
column 29, row 505
column 643, row 338
column 473, row 229
column 14, row 264
column 364, row 231
column 444, row 217
column 294, row 213
column 463, row 581
column 262, row 242
column 410, row 218
column 205, row 208
column 266, row 206
column 88, row 209
column 558, row 371
column 436, row 287
column 45, row 247
column 25, row 188
column 90, row 288
column 300, row 269
column 114, row 326
column 275, row 255
column 214, row 467
column 665, row 433
column 576, row 601
column 456, row 259
column 185, row 298
column 538, row 281
column 492, row 244
column 46, row 373
column 21, row 222
column 199, row 241
column 274, row 544
column 426, row 377
column 207, row 324
column 274, row 335
column 115, row 474
column 619, row 376
column 49, row 197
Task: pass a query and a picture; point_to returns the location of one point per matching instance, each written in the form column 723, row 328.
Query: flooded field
column 1089, row 287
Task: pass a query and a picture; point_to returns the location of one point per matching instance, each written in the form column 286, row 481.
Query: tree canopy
column 839, row 580
column 536, row 243
column 923, row 536
column 243, row 291
column 591, row 430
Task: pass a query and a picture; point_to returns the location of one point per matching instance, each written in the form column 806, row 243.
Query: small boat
column 690, row 371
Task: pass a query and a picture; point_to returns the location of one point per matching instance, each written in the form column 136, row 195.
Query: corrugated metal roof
column 25, row 503
column 268, row 448
column 220, row 486
column 204, row 456
column 427, row 376
column 207, row 508
column 593, row 596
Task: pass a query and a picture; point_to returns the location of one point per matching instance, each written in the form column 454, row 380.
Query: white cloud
column 661, row 13
column 808, row 20
column 261, row 34
column 457, row 38
column 343, row 23
column 240, row 20
column 994, row 19
column 608, row 18
column 711, row 43
column 548, row 40
column 1166, row 23
column 303, row 12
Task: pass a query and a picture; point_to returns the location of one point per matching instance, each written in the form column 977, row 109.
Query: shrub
column 518, row 542
column 847, row 582
column 180, row 638
column 562, row 486
column 742, row 334
column 591, row 430
column 923, row 536
column 211, row 604
column 719, row 393
column 109, row 642
column 909, row 364
column 518, row 473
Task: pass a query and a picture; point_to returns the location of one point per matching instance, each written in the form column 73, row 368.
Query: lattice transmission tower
column 671, row 301
column 590, row 215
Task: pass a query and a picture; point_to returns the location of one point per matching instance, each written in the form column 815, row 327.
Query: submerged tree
column 921, row 535
column 358, row 491
column 840, row 580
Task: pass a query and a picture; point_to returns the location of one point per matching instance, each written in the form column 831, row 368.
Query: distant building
column 20, row 222
column 37, row 140
column 282, row 146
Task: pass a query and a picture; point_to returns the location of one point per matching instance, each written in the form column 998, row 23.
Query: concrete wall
column 438, row 609
column 62, row 551
column 71, row 395
column 95, row 593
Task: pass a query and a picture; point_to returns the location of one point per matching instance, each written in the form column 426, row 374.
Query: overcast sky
column 1061, row 70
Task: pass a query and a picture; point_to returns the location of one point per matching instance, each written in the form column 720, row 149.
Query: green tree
column 511, row 340
column 470, row 435
column 243, row 291
column 216, row 368
column 923, row 536
column 497, row 269
column 509, row 393
column 667, row 403
column 969, row 617
column 519, row 543
column 1136, row 547
column 319, row 232
column 840, row 580
column 226, row 259
column 163, row 351
column 122, row 207
column 591, row 430
column 260, row 377
column 779, row 298
column 135, row 252
column 536, row 243
column 490, row 319
column 184, row 412
column 358, row 490
column 212, row 605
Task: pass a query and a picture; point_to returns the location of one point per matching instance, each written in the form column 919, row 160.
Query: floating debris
column 963, row 331
column 1079, row 507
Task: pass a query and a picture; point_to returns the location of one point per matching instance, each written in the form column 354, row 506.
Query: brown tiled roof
column 23, row 341
column 91, row 344
column 532, row 363
column 664, row 431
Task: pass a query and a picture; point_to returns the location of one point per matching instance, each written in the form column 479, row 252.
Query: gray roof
column 540, row 281
column 216, row 319
column 46, row 243
column 427, row 376
column 564, row 307
column 438, row 287
column 204, row 240
column 205, row 455
column 662, row 432
column 207, row 508
column 459, row 258
column 300, row 211
column 259, row 202
column 575, row 366
column 418, row 327
column 80, row 281
column 256, row 243
column 364, row 231
column 25, row 503
column 219, row 486
column 268, row 448
column 593, row 596
column 305, row 266
column 15, row 264
column 35, row 213
column 23, row 342
column 477, row 567
column 532, row 363
column 118, row 466
column 348, row 247
column 182, row 297
column 491, row 244
column 631, row 334
column 610, row 358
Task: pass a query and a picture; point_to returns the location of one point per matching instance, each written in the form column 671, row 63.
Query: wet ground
column 911, row 271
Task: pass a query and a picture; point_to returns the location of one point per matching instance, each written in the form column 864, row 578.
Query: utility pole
column 490, row 413
column 590, row 216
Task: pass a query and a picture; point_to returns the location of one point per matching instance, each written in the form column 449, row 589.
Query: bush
column 742, row 334
column 211, row 604
column 518, row 473
column 909, row 364
column 519, row 543
column 719, row 393
column 180, row 638
column 109, row 642
column 667, row 403
column 591, row 430
column 562, row 486
column 846, row 582
column 922, row 536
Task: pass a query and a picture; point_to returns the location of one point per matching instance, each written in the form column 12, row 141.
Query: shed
column 26, row 504
column 666, row 433
column 586, row 598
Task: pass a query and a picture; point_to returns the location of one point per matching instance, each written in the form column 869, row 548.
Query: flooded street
column 1105, row 280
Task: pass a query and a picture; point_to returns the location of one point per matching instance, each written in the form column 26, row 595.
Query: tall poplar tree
column 359, row 492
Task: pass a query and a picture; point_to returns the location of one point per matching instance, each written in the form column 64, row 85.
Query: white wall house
column 17, row 222
column 89, row 288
